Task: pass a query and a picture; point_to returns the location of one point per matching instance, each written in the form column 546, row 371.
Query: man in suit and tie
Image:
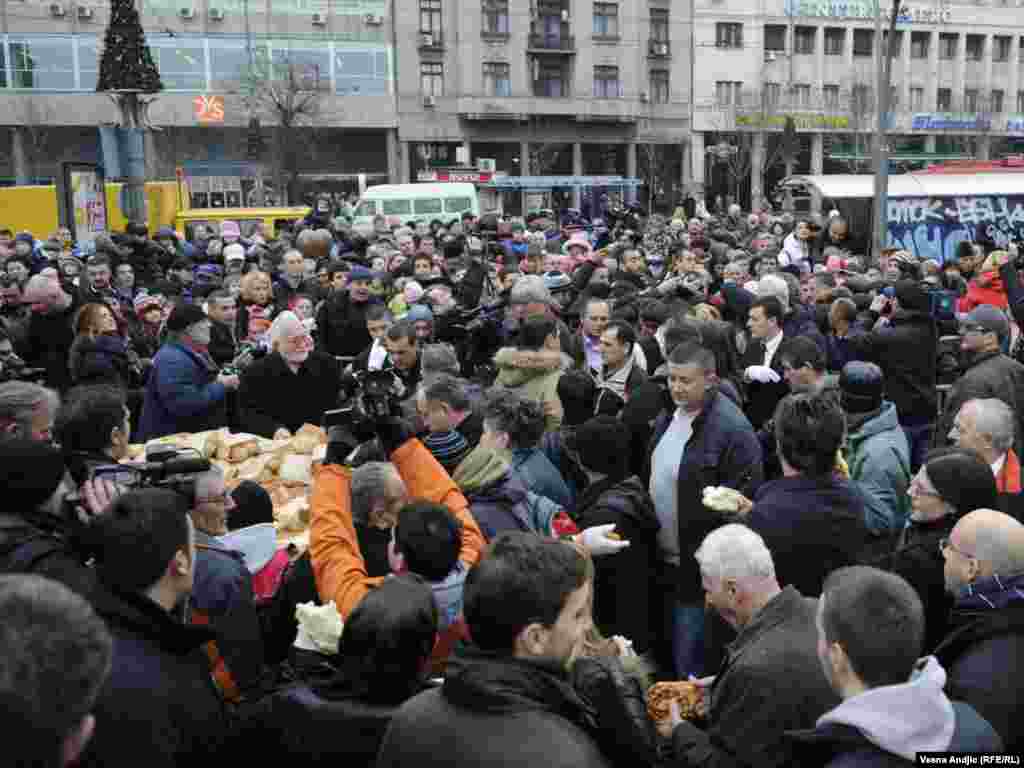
column 762, row 366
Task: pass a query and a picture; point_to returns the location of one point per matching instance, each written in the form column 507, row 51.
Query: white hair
column 735, row 551
column 995, row 420
column 206, row 480
column 995, row 544
column 285, row 323
column 773, row 285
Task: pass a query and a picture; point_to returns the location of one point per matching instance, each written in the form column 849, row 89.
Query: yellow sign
column 802, row 121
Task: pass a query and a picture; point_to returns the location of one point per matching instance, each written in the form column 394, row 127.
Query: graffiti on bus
column 932, row 228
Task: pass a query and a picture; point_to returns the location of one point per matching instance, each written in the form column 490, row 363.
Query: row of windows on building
column 860, row 98
column 496, row 20
column 196, row 64
column 551, row 80
column 834, row 41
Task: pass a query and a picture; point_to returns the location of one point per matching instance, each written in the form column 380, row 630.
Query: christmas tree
column 126, row 63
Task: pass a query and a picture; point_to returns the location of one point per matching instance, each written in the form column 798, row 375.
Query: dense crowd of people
column 566, row 459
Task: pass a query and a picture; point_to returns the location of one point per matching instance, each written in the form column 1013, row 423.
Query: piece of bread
column 311, row 429
column 722, row 499
column 293, row 516
column 238, row 448
column 296, row 469
column 256, row 469
column 321, row 624
column 304, row 444
column 230, row 470
column 689, row 695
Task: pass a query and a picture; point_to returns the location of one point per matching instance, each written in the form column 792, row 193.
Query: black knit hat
column 30, row 472
column 602, row 444
column 184, row 315
column 253, row 505
column 862, row 386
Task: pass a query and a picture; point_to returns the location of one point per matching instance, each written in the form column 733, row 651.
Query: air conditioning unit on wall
column 373, row 20
column 486, row 164
column 428, row 101
column 319, row 20
column 216, row 14
column 84, row 12
column 56, row 10
column 187, row 13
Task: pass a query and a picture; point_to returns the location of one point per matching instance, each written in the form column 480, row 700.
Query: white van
column 402, row 203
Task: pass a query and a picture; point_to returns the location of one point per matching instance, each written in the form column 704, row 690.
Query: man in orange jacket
column 333, row 545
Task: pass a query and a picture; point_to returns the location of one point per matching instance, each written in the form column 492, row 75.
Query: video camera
column 248, row 353
column 164, row 467
column 371, row 395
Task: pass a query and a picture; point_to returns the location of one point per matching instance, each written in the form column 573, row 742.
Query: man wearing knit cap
column 905, row 348
column 988, row 372
column 291, row 386
column 423, row 320
column 185, row 391
column 341, row 321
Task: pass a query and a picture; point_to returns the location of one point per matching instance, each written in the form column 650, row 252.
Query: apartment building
column 957, row 84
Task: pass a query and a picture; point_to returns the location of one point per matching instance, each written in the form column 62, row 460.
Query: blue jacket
column 540, row 476
column 724, row 450
column 182, row 395
column 812, row 525
column 879, row 460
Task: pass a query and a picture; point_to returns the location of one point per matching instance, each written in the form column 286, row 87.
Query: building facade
column 685, row 94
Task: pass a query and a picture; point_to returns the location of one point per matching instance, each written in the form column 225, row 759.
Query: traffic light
column 254, row 140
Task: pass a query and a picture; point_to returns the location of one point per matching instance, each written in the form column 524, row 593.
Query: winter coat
column 498, row 499
column 989, row 375
column 986, row 288
column 917, row 559
column 304, row 725
column 333, row 544
column 624, row 582
column 494, row 712
column 159, row 707
column 811, row 525
column 270, row 396
column 763, row 397
column 101, row 360
column 984, row 653
column 284, row 292
column 906, row 351
column 535, row 373
column 771, row 682
column 222, row 597
column 223, row 346
column 26, row 546
column 341, row 323
column 879, row 460
column 723, row 450
column 886, row 726
column 48, row 344
column 15, row 321
column 182, row 394
column 538, row 474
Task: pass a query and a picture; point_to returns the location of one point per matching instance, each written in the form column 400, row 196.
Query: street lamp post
column 883, row 63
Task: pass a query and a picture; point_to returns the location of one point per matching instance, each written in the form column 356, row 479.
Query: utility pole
column 883, row 63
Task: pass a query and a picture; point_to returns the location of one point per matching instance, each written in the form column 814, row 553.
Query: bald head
column 996, row 540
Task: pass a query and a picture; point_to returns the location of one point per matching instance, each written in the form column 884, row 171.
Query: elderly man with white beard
column 291, row 386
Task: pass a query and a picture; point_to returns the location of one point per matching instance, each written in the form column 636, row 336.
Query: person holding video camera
column 185, row 391
column 291, row 386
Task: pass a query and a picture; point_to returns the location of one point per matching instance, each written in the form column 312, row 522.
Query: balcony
column 430, row 42
column 658, row 49
column 551, row 43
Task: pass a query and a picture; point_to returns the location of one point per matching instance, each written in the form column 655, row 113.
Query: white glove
column 762, row 374
column 597, row 543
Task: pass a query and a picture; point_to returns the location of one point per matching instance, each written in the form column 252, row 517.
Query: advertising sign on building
column 865, row 9
column 86, row 201
column 209, row 109
column 950, row 121
column 442, row 175
column 803, row 121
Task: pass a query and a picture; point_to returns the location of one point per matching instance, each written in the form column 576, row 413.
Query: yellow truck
column 35, row 208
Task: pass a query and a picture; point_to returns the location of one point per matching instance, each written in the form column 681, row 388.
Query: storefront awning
column 544, row 183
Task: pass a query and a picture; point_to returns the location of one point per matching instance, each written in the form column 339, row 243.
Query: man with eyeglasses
column 984, row 572
column 222, row 595
column 291, row 386
column 987, row 371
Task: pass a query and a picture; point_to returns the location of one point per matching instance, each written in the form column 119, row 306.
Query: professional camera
column 164, row 467
column 371, row 395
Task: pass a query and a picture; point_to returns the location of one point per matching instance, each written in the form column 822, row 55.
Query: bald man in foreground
column 984, row 653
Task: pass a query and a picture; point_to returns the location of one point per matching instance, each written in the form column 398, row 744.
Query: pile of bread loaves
column 283, row 467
